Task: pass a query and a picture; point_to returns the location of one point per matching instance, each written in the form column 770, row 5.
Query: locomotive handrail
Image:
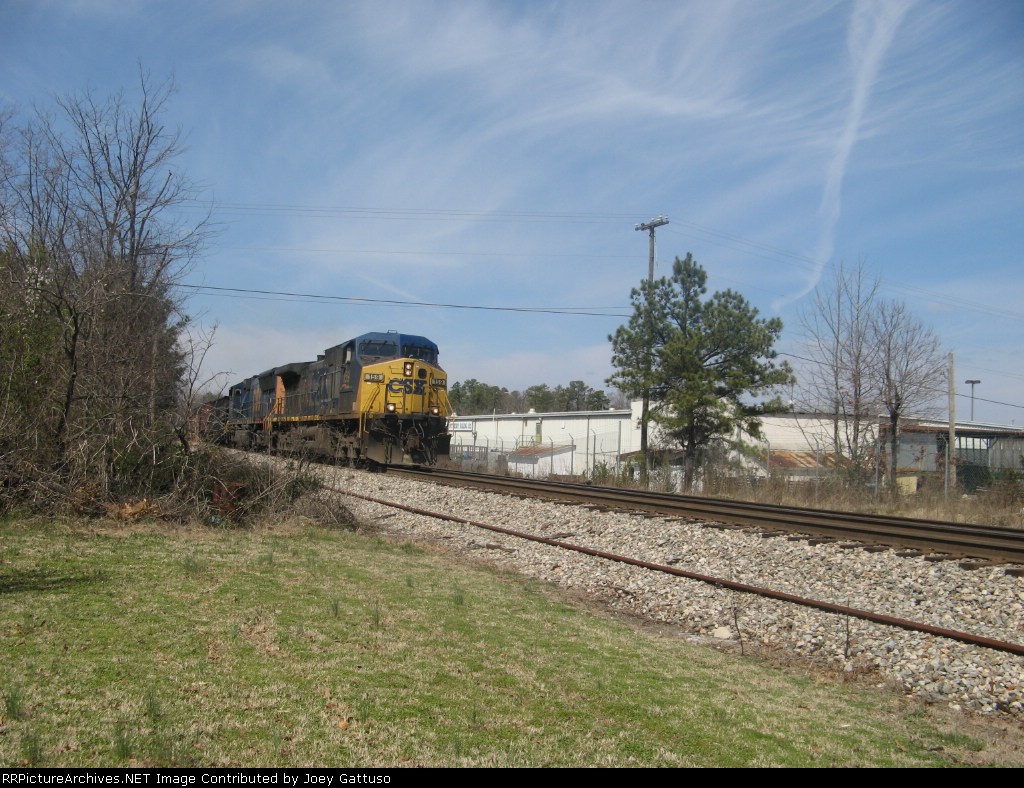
column 444, row 404
column 367, row 408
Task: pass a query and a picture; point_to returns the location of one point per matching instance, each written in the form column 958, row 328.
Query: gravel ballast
column 983, row 601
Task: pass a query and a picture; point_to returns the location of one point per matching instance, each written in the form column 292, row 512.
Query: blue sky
column 499, row 155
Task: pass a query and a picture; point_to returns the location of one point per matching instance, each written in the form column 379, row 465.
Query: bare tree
column 95, row 238
column 838, row 328
column 195, row 342
column 908, row 368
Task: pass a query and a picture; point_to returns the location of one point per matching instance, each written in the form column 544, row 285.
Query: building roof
column 794, row 460
column 558, row 414
column 658, row 456
column 970, row 429
column 539, row 450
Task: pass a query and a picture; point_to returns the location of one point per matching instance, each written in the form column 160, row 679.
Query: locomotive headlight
column 390, row 407
column 408, row 369
column 435, row 411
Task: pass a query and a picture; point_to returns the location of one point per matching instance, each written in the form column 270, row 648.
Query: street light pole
column 972, row 384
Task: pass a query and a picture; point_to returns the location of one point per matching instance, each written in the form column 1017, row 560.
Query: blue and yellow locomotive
column 380, row 398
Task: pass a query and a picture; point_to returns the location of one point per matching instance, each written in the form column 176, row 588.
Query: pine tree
column 708, row 364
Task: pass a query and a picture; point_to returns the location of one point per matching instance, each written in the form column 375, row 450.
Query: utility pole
column 645, row 411
column 951, row 439
column 649, row 227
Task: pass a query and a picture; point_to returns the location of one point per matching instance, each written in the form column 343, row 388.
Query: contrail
column 872, row 27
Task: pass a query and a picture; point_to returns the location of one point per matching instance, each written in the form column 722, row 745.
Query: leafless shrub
column 91, row 245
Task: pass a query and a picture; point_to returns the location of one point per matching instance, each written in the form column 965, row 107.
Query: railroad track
column 614, row 498
column 955, row 540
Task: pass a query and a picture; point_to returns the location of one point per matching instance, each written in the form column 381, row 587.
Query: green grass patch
column 323, row 647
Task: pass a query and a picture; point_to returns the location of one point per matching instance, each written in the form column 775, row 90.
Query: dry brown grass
column 998, row 506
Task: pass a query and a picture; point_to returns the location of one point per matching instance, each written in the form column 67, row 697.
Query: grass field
column 300, row 646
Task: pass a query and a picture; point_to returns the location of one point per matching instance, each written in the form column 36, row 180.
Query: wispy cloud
column 777, row 136
column 286, row 66
column 872, row 26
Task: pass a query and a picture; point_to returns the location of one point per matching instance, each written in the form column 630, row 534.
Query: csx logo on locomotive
column 407, row 386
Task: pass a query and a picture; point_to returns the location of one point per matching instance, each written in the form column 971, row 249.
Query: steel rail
column 828, row 607
column 986, row 542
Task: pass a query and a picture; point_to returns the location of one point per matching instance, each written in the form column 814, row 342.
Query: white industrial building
column 547, row 444
column 797, row 445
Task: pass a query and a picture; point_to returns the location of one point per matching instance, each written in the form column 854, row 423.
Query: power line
column 277, row 295
column 358, row 300
column 406, row 214
column 997, row 372
column 727, row 239
column 739, row 243
column 420, row 254
column 937, row 391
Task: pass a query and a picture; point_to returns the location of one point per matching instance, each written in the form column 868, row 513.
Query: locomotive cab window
column 419, row 352
column 377, row 349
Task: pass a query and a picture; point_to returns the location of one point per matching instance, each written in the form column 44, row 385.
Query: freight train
column 378, row 399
